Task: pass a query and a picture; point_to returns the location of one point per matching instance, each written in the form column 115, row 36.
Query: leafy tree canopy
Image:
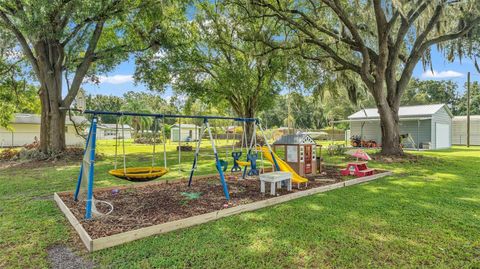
column 420, row 92
column 461, row 106
column 218, row 60
column 16, row 94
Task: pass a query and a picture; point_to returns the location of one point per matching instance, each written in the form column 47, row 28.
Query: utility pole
column 289, row 122
column 468, row 109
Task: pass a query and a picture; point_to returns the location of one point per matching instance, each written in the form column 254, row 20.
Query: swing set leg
column 222, row 178
column 79, row 181
column 88, row 209
column 217, row 161
column 195, row 159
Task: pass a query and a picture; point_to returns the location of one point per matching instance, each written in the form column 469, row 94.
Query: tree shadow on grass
column 395, row 221
column 425, row 215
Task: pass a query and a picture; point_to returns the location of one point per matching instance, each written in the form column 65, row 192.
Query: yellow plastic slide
column 296, row 178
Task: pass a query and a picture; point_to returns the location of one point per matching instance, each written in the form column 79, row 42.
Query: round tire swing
column 139, row 174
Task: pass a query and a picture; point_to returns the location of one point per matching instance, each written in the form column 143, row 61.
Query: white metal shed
column 189, row 132
column 430, row 126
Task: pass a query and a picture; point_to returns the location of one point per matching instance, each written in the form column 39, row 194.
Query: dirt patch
column 406, row 158
column 62, row 257
column 32, row 158
column 142, row 206
column 30, row 164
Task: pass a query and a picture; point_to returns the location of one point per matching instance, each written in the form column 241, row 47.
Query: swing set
column 86, row 175
column 139, row 173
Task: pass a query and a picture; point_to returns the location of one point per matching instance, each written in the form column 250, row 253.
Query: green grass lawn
column 427, row 214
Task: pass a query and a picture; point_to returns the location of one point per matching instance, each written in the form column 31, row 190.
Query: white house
column 459, row 130
column 108, row 131
column 189, row 132
column 26, row 128
column 429, row 126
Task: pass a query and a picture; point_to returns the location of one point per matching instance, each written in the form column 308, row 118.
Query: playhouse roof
column 296, row 139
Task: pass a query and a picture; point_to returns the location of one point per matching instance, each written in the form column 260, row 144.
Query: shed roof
column 186, row 126
column 404, row 111
column 113, row 126
column 22, row 118
column 296, row 139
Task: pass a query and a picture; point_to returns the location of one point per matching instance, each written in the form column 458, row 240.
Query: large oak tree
column 381, row 41
column 72, row 40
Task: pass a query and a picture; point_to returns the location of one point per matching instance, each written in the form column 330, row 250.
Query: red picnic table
column 358, row 169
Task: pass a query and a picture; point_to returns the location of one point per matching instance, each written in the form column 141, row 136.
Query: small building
column 459, row 130
column 231, row 129
column 299, row 151
column 317, row 135
column 109, row 131
column 189, row 132
column 426, row 126
column 25, row 129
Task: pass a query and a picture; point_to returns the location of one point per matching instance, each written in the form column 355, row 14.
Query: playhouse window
column 292, row 154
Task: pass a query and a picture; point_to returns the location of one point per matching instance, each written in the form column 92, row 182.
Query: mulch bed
column 146, row 205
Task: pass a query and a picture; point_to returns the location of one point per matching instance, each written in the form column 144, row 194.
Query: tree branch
column 395, row 47
column 344, row 18
column 314, row 40
column 421, row 48
column 84, row 65
column 9, row 68
column 23, row 42
column 451, row 36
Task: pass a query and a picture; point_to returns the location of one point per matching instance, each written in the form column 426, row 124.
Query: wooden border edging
column 75, row 223
column 121, row 238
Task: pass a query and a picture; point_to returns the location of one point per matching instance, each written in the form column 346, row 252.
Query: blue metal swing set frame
column 91, row 141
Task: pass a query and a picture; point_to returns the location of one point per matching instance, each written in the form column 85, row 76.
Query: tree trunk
column 249, row 126
column 390, row 131
column 57, row 131
column 44, row 130
column 50, row 55
column 388, row 111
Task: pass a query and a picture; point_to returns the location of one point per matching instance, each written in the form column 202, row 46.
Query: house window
column 109, row 133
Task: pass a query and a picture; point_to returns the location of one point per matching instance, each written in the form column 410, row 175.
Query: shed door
column 442, row 135
column 308, row 159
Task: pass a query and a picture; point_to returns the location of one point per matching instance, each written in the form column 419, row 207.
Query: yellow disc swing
column 140, row 173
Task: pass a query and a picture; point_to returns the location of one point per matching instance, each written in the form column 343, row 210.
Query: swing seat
column 224, row 165
column 139, row 173
column 242, row 163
